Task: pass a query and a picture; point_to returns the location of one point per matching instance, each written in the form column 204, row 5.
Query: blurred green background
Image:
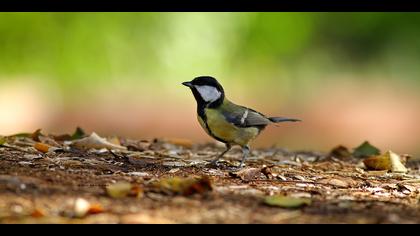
column 350, row 76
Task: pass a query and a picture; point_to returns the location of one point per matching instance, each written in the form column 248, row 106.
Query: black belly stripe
column 203, row 116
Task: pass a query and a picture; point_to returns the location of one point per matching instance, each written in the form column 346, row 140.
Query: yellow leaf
column 184, row 186
column 119, row 190
column 286, row 202
column 388, row 161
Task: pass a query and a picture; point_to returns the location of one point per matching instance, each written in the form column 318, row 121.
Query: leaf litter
column 82, row 178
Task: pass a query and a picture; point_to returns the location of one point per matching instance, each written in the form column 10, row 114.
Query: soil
column 171, row 181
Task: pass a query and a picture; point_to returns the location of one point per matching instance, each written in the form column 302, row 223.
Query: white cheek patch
column 208, row 93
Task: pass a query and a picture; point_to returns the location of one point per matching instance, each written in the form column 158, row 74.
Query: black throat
column 201, row 104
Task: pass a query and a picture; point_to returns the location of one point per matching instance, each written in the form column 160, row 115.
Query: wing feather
column 244, row 117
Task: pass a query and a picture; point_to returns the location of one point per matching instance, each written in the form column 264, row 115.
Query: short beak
column 188, row 84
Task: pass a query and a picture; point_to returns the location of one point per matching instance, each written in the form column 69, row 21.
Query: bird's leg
column 245, row 153
column 228, row 147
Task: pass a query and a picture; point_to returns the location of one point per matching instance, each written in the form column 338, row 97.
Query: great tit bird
column 225, row 121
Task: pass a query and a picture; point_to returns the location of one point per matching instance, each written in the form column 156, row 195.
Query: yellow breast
column 226, row 131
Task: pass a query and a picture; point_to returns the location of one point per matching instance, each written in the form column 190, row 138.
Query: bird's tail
column 282, row 119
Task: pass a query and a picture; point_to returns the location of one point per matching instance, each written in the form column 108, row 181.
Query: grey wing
column 245, row 117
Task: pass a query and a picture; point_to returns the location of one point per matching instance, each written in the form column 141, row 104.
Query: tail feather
column 282, row 119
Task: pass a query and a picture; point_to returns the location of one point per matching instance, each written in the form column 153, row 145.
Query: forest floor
column 170, row 181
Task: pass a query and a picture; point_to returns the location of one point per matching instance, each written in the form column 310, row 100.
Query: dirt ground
column 171, row 182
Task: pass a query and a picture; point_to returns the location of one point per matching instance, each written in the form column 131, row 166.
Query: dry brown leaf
column 42, row 147
column 136, row 191
column 61, row 137
column 35, row 135
column 184, row 186
column 340, row 152
column 335, row 182
column 37, row 213
column 95, row 208
column 134, row 145
column 388, row 161
column 96, row 142
column 247, row 174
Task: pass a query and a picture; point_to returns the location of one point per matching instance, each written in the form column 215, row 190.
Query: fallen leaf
column 61, row 137
column 268, row 172
column 96, row 142
column 396, row 165
column 378, row 163
column 114, row 140
column 200, row 186
column 184, row 186
column 124, row 189
column 35, row 135
column 388, row 161
column 286, row 202
column 247, row 174
column 78, row 134
column 136, row 191
column 361, row 166
column 95, row 209
column 133, row 145
column 335, row 182
column 42, row 147
column 37, row 213
column 365, row 150
column 119, row 190
column 340, row 152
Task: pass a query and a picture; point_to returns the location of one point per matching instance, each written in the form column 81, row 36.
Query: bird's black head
column 206, row 90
